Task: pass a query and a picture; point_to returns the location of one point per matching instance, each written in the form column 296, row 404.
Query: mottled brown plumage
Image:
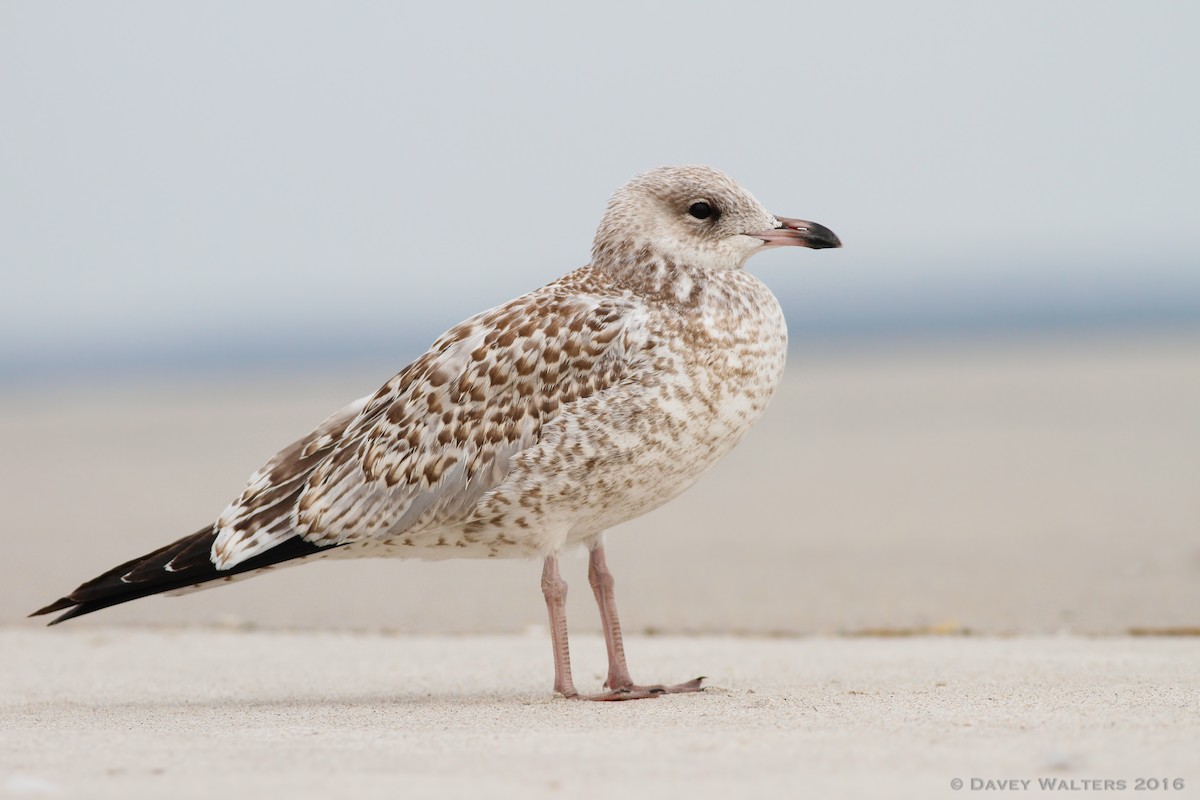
column 536, row 425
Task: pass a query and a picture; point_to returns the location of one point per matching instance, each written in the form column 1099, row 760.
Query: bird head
column 697, row 216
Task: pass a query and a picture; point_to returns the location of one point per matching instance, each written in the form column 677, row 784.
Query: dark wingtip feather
column 148, row 575
column 74, row 612
column 57, row 605
column 78, row 611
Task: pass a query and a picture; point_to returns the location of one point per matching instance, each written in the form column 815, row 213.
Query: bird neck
column 652, row 275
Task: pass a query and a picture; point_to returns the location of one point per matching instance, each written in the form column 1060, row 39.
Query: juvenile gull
column 534, row 426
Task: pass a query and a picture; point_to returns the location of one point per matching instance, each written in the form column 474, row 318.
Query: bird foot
column 635, row 692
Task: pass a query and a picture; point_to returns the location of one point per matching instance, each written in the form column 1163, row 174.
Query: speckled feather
column 541, row 422
column 419, row 456
column 575, row 394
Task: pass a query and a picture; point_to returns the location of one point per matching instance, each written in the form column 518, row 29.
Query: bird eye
column 701, row 210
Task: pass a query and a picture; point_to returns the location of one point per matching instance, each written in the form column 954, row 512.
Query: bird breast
column 730, row 350
column 717, row 360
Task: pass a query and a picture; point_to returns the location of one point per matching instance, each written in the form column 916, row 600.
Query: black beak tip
column 821, row 238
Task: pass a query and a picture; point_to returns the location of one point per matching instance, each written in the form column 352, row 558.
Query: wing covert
column 421, row 451
column 447, row 427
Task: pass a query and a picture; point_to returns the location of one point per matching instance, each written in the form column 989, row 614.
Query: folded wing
column 420, row 453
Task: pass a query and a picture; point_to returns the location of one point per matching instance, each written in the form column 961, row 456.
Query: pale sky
column 294, row 179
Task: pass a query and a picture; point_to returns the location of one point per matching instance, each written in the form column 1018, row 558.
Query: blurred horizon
column 354, row 345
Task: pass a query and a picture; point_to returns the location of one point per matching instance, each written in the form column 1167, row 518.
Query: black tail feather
column 179, row 565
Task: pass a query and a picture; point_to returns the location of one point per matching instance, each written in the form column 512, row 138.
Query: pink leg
column 602, row 585
column 620, row 684
column 555, row 590
column 619, row 681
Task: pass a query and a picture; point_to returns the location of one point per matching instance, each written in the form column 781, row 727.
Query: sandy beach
column 128, row 714
column 1031, row 505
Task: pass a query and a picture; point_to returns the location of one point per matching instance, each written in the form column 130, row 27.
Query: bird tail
column 179, row 565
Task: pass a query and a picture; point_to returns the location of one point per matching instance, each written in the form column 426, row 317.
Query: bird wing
column 419, row 453
column 261, row 518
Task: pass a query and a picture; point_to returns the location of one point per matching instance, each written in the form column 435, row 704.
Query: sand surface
column 125, row 714
column 1027, row 487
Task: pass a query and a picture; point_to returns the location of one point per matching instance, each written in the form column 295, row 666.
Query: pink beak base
column 799, row 233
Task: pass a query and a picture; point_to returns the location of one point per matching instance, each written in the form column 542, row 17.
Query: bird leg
column 555, row 590
column 620, row 685
column 619, row 682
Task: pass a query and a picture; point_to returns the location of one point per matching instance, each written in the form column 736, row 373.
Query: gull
column 531, row 427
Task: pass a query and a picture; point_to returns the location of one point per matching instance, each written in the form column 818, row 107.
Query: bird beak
column 799, row 233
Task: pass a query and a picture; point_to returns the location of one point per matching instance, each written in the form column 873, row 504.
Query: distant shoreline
column 226, row 358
